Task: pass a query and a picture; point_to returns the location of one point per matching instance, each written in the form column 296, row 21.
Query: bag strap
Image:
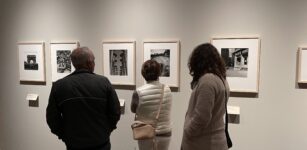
column 160, row 104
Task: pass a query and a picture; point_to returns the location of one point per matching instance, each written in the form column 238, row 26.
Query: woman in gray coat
column 204, row 127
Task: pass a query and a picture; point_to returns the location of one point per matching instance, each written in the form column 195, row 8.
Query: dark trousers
column 106, row 146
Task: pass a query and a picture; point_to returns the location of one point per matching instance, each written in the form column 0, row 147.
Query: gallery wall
column 272, row 120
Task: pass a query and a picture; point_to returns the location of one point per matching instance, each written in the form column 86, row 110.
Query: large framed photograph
column 60, row 59
column 119, row 62
column 31, row 62
column 241, row 56
column 167, row 53
column 302, row 65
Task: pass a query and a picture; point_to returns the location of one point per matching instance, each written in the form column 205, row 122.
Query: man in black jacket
column 83, row 107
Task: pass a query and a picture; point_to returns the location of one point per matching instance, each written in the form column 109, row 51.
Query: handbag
column 144, row 130
column 229, row 142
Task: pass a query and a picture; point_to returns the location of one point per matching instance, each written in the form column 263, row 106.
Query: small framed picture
column 31, row 62
column 167, row 53
column 119, row 62
column 60, row 59
column 302, row 65
column 241, row 57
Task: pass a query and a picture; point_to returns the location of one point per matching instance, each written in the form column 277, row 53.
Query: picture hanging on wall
column 167, row 54
column 119, row 62
column 60, row 59
column 302, row 65
column 31, row 62
column 241, row 57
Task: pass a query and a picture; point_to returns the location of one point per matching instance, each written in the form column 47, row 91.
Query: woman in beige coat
column 204, row 127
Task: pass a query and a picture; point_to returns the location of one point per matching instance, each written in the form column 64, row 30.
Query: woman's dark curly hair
column 206, row 59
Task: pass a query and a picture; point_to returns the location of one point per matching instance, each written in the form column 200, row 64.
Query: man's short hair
column 80, row 57
column 151, row 70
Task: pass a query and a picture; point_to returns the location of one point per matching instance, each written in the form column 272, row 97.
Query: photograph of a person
column 162, row 56
column 118, row 62
column 30, row 63
column 236, row 61
column 63, row 61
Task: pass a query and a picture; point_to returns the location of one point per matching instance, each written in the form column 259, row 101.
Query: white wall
column 275, row 120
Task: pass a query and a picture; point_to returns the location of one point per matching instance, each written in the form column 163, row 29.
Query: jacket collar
column 81, row 71
column 153, row 82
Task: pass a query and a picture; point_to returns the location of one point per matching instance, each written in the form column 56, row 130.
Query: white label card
column 32, row 97
column 233, row 110
column 122, row 102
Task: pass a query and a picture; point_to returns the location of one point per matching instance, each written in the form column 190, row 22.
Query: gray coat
column 204, row 127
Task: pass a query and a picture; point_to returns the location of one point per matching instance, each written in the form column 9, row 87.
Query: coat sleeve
column 53, row 115
column 202, row 112
column 113, row 107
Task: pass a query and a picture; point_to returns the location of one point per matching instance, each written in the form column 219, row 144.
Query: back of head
column 151, row 70
column 206, row 59
column 83, row 58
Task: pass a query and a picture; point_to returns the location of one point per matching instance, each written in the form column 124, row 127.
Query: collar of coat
column 81, row 71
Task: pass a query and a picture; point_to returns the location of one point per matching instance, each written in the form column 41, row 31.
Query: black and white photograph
column 63, row 61
column 162, row 56
column 30, row 63
column 236, row 61
column 242, row 59
column 118, row 62
column 61, row 64
column 167, row 54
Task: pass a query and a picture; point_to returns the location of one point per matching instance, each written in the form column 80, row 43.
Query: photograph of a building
column 118, row 62
column 30, row 63
column 162, row 56
column 236, row 61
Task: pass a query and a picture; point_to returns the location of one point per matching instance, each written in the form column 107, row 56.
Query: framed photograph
column 60, row 59
column 302, row 65
column 31, row 62
column 167, row 53
column 241, row 56
column 119, row 62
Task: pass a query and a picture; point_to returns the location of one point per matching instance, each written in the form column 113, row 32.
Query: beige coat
column 204, row 127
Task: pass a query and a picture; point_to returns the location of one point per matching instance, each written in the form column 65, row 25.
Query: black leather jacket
column 83, row 109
